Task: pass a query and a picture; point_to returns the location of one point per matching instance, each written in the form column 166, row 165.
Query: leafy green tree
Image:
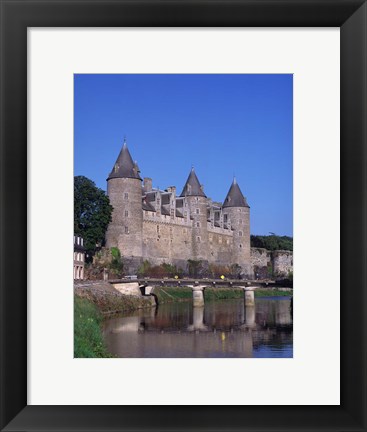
column 92, row 213
column 272, row 242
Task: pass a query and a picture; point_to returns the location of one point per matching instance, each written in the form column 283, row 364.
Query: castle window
column 126, row 230
column 198, row 239
column 172, row 213
column 197, row 211
column 158, row 229
column 126, row 213
column 240, row 246
column 198, row 224
column 126, row 196
column 225, row 218
column 240, row 233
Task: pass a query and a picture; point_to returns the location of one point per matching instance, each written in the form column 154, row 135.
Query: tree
column 272, row 242
column 92, row 213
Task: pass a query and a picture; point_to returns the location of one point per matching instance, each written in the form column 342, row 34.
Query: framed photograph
column 159, row 98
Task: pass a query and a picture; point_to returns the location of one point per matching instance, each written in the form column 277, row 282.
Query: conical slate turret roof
column 124, row 166
column 192, row 186
column 235, row 197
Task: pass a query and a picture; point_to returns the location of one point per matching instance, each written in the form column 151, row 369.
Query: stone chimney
column 148, row 184
column 172, row 189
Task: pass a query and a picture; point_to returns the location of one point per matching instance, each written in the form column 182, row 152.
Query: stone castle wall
column 282, row 262
column 166, row 242
column 271, row 263
column 170, row 242
column 220, row 246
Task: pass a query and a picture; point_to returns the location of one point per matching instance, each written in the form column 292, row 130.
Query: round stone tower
column 237, row 211
column 125, row 192
column 198, row 204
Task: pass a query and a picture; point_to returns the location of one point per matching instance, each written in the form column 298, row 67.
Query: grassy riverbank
column 178, row 294
column 272, row 293
column 88, row 339
column 109, row 300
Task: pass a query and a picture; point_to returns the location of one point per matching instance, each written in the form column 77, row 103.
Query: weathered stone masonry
column 279, row 262
column 160, row 226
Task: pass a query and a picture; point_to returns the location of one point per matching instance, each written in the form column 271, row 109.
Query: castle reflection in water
column 223, row 328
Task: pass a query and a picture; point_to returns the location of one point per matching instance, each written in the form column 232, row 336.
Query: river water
column 222, row 328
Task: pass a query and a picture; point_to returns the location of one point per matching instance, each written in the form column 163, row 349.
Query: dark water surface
column 223, row 328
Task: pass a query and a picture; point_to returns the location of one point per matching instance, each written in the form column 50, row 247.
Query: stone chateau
column 164, row 226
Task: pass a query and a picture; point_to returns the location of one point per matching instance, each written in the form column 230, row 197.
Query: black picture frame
column 16, row 17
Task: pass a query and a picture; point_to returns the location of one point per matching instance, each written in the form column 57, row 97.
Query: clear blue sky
column 221, row 124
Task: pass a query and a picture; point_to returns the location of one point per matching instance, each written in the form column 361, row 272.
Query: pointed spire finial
column 235, row 197
column 192, row 186
column 125, row 166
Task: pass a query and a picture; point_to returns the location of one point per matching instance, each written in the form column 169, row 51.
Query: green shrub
column 159, row 271
column 194, row 268
column 116, row 265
